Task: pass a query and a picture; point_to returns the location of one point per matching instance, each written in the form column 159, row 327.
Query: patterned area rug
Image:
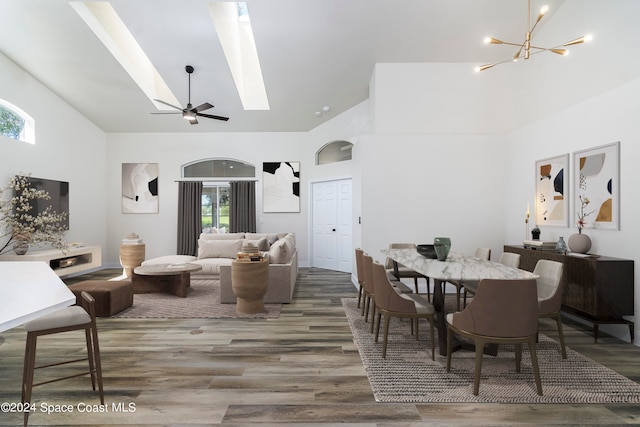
column 409, row 375
column 203, row 301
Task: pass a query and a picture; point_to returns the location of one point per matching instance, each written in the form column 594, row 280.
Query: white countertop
column 28, row 290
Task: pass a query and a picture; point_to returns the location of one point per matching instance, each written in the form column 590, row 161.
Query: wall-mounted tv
column 59, row 193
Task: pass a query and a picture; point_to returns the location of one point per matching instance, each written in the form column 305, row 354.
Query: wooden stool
column 112, row 296
column 66, row 319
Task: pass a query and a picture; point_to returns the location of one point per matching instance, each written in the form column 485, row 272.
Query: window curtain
column 189, row 217
column 242, row 206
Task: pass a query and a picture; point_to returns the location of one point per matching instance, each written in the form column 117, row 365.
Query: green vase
column 442, row 246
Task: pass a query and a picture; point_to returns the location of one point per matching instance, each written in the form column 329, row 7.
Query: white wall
column 68, row 148
column 610, row 117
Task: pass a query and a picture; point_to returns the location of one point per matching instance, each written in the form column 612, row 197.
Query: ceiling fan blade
column 209, row 116
column 202, row 107
column 166, row 103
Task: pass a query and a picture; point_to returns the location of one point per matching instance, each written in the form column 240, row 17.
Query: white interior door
column 332, row 228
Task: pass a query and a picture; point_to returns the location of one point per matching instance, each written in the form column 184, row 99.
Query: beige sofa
column 217, row 251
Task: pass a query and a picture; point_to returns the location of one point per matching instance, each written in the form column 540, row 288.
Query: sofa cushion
column 281, row 251
column 218, row 248
column 261, row 244
column 271, row 238
column 211, row 266
column 227, row 236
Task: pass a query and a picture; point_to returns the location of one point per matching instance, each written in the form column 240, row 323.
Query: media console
column 73, row 260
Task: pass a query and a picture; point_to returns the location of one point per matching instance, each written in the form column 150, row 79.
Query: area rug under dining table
column 409, row 375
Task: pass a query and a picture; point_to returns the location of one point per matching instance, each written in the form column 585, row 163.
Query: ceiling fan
column 190, row 113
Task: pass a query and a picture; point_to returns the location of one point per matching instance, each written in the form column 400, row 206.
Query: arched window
column 15, row 123
column 335, row 151
column 215, row 175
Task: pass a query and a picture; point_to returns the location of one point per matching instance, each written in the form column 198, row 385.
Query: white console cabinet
column 73, row 260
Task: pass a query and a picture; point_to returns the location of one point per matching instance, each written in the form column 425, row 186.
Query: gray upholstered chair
column 482, row 253
column 502, row 312
column 550, row 294
column 66, row 319
column 403, row 272
column 509, row 259
column 390, row 303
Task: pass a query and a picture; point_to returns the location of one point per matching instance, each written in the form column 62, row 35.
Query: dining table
column 28, row 290
column 457, row 267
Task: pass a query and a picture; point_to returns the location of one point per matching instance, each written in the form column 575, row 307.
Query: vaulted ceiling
column 313, row 53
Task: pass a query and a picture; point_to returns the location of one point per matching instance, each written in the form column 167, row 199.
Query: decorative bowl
column 427, row 251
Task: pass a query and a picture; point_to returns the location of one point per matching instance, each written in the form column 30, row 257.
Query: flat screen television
column 59, row 193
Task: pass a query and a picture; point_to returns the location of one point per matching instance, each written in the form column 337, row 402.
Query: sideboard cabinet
column 597, row 288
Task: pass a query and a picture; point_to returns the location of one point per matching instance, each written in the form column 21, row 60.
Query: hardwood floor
column 300, row 369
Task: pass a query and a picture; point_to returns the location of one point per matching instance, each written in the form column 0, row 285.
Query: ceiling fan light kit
column 190, row 113
column 525, row 47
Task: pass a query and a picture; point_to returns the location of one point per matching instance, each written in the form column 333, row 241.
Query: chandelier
column 526, row 49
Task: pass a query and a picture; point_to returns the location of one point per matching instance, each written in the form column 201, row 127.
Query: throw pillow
column 261, row 244
column 227, row 236
column 279, row 252
column 218, row 248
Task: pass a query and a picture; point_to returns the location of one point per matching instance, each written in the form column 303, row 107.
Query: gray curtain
column 189, row 217
column 242, row 206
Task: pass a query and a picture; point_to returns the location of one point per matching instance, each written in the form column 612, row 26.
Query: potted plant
column 19, row 228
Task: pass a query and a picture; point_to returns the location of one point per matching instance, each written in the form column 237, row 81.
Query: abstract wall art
column 552, row 191
column 281, row 187
column 596, row 184
column 140, row 187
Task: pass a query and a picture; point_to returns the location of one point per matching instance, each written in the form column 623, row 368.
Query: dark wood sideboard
column 599, row 289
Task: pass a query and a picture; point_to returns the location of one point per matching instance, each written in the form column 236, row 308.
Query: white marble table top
column 28, row 290
column 457, row 267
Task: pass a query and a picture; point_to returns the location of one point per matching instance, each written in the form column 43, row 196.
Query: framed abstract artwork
column 552, row 191
column 140, row 187
column 596, row 186
column 281, row 187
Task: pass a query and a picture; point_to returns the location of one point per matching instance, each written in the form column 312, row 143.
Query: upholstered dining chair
column 502, row 312
column 509, row 259
column 390, row 303
column 369, row 301
column 77, row 317
column 482, row 253
column 360, row 273
column 550, row 294
column 404, row 272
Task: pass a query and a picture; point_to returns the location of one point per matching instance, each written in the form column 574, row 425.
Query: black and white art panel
column 281, row 187
column 140, row 187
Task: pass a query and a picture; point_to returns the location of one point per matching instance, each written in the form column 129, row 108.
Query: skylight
column 232, row 23
column 103, row 20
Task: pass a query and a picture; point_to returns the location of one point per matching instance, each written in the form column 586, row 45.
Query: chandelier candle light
column 524, row 48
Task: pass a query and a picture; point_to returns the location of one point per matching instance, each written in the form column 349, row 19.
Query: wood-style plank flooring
column 301, row 369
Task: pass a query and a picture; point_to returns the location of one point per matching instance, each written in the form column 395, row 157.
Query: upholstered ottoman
column 112, row 296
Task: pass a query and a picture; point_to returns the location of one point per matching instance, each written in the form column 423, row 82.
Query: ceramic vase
column 579, row 243
column 20, row 247
column 442, row 246
column 561, row 246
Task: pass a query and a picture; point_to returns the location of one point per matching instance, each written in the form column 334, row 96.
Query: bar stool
column 66, row 319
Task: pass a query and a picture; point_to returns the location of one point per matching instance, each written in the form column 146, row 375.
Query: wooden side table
column 131, row 256
column 250, row 281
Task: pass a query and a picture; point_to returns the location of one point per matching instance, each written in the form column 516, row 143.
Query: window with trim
column 215, row 175
column 335, row 151
column 15, row 123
